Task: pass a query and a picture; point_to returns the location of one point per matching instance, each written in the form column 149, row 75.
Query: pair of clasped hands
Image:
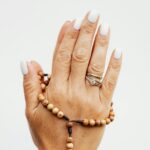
column 81, row 48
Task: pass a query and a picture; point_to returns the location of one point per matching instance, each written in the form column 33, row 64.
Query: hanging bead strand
column 45, row 79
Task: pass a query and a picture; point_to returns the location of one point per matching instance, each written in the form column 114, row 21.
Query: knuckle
column 88, row 28
column 71, row 35
column 63, row 56
column 96, row 68
column 29, row 86
column 103, row 42
column 80, row 55
column 115, row 65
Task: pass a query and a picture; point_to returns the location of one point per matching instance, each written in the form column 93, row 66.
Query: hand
column 74, row 56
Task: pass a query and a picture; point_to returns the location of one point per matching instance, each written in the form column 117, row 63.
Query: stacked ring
column 94, row 80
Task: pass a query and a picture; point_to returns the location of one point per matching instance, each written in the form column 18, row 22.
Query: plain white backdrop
column 28, row 30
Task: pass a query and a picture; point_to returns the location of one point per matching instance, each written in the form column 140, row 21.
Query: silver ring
column 94, row 80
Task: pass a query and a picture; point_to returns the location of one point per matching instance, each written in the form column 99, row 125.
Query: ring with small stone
column 94, row 80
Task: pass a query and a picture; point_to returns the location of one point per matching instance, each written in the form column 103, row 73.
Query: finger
column 83, row 47
column 61, row 35
column 62, row 61
column 31, row 82
column 111, row 77
column 97, row 62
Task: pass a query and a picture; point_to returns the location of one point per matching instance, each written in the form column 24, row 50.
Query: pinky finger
column 111, row 77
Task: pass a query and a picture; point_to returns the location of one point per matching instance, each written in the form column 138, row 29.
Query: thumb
column 31, row 82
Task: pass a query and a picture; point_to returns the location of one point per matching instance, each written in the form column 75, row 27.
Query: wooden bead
column 69, row 124
column 46, row 82
column 45, row 102
column 55, row 110
column 103, row 122
column 98, row 122
column 92, row 122
column 69, row 145
column 108, row 121
column 50, row 106
column 43, row 86
column 69, row 140
column 41, row 97
column 111, row 118
column 60, row 114
column 85, row 122
column 112, row 113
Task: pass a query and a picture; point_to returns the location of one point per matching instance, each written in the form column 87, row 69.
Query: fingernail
column 104, row 28
column 77, row 23
column 93, row 15
column 118, row 53
column 24, row 67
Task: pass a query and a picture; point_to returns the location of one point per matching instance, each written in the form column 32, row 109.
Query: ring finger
column 97, row 62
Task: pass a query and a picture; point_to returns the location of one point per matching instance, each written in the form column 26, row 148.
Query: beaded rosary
column 45, row 78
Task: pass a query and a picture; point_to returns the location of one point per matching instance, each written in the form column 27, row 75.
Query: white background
column 28, row 30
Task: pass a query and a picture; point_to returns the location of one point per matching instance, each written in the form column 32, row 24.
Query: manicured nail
column 77, row 23
column 93, row 15
column 24, row 67
column 118, row 53
column 104, row 28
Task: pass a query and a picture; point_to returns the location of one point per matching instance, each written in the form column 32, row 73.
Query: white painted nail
column 118, row 53
column 93, row 15
column 104, row 28
column 77, row 23
column 24, row 67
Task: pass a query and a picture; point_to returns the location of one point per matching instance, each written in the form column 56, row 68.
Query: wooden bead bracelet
column 45, row 78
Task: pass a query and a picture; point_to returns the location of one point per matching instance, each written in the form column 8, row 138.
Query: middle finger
column 83, row 47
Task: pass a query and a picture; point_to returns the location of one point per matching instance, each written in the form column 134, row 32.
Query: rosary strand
column 45, row 78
